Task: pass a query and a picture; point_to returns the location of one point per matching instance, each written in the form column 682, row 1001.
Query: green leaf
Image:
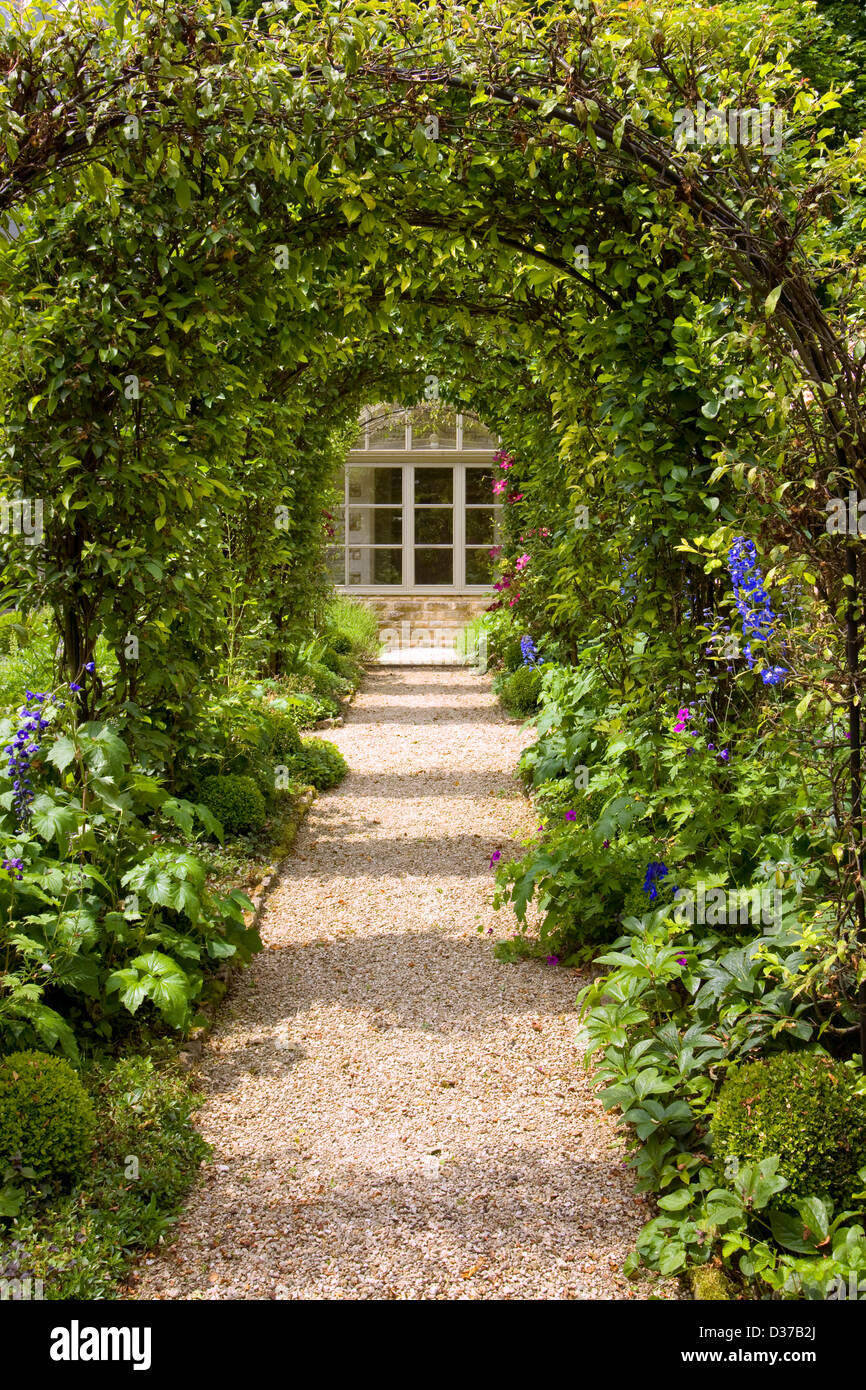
column 676, row 1201
column 772, row 300
column 52, row 822
column 672, row 1258
column 11, row 1200
column 209, row 821
column 789, row 1232
column 61, row 753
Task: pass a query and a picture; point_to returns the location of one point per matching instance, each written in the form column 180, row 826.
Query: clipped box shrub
column 803, row 1107
column 282, row 738
column 236, row 801
column 521, row 690
column 321, row 764
column 46, row 1116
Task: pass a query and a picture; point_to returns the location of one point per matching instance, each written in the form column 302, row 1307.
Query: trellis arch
column 226, row 222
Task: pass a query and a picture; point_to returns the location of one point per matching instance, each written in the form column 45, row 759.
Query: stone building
column 418, row 520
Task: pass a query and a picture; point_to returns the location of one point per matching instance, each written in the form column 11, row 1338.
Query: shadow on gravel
column 435, row 781
column 467, row 1231
column 399, row 981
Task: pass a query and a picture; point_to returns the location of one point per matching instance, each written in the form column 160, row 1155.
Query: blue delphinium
column 773, row 675
column 654, row 872
column 25, row 743
column 529, row 651
column 753, row 604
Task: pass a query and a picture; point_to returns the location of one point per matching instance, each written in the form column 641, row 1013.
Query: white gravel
column 394, row 1113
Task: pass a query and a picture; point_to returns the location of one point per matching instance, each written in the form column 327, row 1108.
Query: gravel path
column 394, row 1113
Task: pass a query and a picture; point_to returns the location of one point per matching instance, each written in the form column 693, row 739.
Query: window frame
column 409, row 460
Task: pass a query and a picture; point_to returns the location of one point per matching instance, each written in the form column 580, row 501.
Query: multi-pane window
column 422, row 523
column 419, row 509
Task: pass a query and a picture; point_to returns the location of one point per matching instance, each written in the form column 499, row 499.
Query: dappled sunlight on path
column 394, row 1113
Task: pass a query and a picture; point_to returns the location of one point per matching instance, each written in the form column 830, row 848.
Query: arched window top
column 430, row 425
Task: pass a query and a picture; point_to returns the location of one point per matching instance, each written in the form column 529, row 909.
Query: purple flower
column 553, row 960
column 571, row 815
column 495, row 857
column 73, row 686
column 724, row 755
column 654, row 871
column 90, row 666
column 682, row 960
column 25, row 743
column 528, row 649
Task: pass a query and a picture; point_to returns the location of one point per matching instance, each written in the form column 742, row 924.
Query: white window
column 419, row 513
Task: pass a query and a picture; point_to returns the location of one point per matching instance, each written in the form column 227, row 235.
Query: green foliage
column 28, row 642
column 47, row 1121
column 340, row 665
column 520, row 691
column 512, row 655
column 235, row 801
column 281, row 733
column 147, row 1153
column 250, row 264
column 321, row 764
column 352, row 629
column 679, row 1008
column 104, row 915
column 804, row 1107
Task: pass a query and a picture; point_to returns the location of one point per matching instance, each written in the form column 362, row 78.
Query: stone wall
column 423, row 620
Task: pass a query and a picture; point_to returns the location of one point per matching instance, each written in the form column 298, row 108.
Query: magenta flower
column 495, row 857
column 571, row 815
column 500, row 485
column 522, row 562
column 682, row 960
column 553, row 960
